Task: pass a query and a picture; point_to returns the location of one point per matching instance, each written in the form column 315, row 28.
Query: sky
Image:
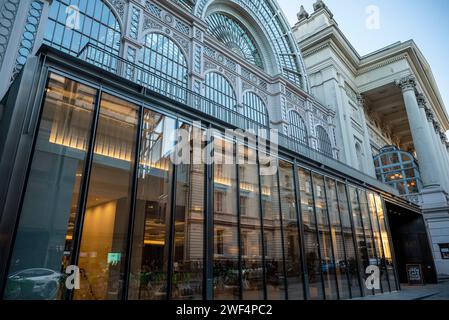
column 424, row 21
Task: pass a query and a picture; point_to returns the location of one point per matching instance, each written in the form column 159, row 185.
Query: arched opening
column 324, row 142
column 254, row 108
column 219, row 90
column 360, row 156
column 235, row 37
column 398, row 169
column 167, row 66
column 298, row 128
column 73, row 24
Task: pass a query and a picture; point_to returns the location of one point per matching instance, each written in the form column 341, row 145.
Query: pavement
column 438, row 291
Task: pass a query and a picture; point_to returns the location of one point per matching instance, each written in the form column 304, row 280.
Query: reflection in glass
column 291, row 233
column 189, row 226
column 43, row 244
column 362, row 250
column 105, row 227
column 348, row 235
column 226, row 246
column 274, row 261
column 386, row 242
column 149, row 262
column 341, row 263
column 311, row 236
column 250, row 222
column 327, row 263
column 374, row 259
column 378, row 241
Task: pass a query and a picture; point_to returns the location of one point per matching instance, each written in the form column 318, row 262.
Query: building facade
column 93, row 92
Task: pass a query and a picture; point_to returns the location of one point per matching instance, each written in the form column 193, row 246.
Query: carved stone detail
column 407, row 83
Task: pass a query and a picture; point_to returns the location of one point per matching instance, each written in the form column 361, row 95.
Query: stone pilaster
column 367, row 143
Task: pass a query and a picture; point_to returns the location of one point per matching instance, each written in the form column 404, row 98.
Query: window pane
column 327, row 264
column 386, row 242
column 149, row 263
column 274, row 253
column 104, row 238
column 378, row 242
column 360, row 235
column 310, row 234
column 291, row 234
column 341, row 264
column 45, row 231
column 348, row 236
column 226, row 247
column 189, row 227
column 251, row 232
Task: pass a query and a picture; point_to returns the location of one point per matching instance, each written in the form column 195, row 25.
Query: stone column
column 427, row 114
column 420, row 133
column 367, row 143
column 444, row 154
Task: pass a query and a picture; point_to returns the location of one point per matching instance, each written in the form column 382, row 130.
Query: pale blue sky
column 425, row 21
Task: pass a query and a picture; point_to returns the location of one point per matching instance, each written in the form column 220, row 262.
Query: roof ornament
column 320, row 5
column 302, row 14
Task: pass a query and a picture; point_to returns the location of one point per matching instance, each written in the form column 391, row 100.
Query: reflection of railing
column 193, row 100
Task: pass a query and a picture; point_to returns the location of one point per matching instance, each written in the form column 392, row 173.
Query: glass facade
column 254, row 108
column 298, row 128
column 104, row 194
column 324, row 142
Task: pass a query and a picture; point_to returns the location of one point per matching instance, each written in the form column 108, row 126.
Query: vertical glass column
column 373, row 257
column 312, row 246
column 291, row 232
column 378, row 242
column 106, row 217
column 250, row 225
column 351, row 264
column 226, row 228
column 362, row 250
column 44, row 238
column 327, row 264
column 188, row 242
column 274, row 242
column 387, row 244
column 338, row 240
column 150, row 243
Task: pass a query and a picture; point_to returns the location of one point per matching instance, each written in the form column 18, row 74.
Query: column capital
column 429, row 114
column 407, row 83
column 361, row 99
column 422, row 101
column 443, row 137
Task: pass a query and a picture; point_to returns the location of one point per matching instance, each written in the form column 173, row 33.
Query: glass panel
column 105, row 227
column 298, row 128
column 386, row 242
column 311, row 236
column 348, row 236
column 360, row 236
column 274, row 253
column 378, row 242
column 149, row 262
column 189, row 226
column 45, row 231
column 327, row 258
column 291, row 234
column 226, row 245
column 250, row 222
column 341, row 264
column 374, row 259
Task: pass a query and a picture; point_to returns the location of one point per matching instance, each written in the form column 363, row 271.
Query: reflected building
column 94, row 94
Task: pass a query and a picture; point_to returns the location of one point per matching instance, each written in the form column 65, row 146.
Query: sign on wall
column 414, row 274
column 444, row 249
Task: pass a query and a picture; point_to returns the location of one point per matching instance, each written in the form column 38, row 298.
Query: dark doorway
column 411, row 243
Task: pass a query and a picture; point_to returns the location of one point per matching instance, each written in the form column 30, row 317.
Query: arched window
column 234, row 36
column 324, row 142
column 298, row 128
column 162, row 57
column 72, row 24
column 254, row 108
column 219, row 90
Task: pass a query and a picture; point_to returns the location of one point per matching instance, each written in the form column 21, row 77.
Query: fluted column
column 420, row 133
column 445, row 156
column 367, row 144
column 428, row 115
